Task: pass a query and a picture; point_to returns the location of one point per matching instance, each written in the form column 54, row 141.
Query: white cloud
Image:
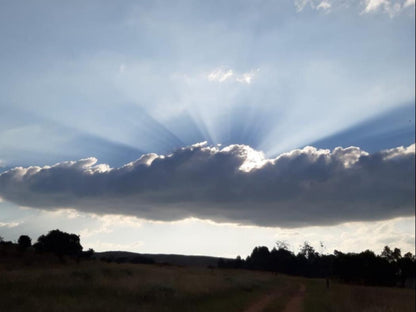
column 389, row 7
column 324, row 5
column 409, row 3
column 220, row 75
column 373, row 5
column 9, row 224
column 306, row 186
column 108, row 223
column 247, row 77
column 354, row 236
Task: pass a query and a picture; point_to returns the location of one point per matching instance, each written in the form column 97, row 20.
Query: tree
column 24, row 242
column 60, row 243
column 391, row 255
column 259, row 258
column 282, row 245
column 308, row 251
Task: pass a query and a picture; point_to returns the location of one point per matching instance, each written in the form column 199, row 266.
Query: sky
column 209, row 127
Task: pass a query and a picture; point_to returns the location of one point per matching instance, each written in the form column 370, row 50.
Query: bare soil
column 295, row 303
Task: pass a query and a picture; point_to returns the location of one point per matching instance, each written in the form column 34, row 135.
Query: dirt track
column 264, row 301
column 294, row 304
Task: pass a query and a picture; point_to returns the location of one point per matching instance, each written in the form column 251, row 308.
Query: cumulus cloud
column 234, row 183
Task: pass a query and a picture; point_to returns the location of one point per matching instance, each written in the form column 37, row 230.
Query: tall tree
column 60, row 243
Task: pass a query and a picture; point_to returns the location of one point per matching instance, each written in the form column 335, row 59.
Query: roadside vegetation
column 340, row 297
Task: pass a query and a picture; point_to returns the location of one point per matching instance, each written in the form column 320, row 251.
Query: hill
column 171, row 259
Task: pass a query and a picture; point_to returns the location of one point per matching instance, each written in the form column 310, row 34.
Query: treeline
column 390, row 268
column 56, row 242
column 63, row 245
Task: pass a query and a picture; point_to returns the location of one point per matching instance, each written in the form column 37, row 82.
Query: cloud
column 235, row 183
column 324, row 5
column 9, row 224
column 409, row 3
column 247, row 77
column 390, row 7
column 221, row 75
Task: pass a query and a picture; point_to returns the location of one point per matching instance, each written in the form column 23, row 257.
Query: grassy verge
column 345, row 298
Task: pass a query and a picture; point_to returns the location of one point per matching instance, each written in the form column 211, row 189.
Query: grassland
column 98, row 286
column 346, row 298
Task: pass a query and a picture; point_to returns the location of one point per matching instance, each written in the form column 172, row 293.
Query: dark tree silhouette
column 282, row 259
column 389, row 268
column 260, row 259
column 308, row 251
column 60, row 243
column 24, row 242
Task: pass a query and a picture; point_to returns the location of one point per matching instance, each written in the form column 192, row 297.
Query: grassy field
column 346, row 298
column 98, row 286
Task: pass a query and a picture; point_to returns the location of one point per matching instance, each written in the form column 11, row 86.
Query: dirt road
column 294, row 304
column 263, row 302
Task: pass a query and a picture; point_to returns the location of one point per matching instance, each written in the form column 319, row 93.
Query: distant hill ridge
column 172, row 259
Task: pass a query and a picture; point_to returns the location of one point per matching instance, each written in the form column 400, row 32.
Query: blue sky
column 115, row 81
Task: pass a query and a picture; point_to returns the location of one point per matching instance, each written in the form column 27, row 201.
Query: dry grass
column 99, row 286
column 346, row 298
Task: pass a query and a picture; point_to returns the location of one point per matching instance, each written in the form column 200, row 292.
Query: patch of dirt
column 263, row 302
column 295, row 303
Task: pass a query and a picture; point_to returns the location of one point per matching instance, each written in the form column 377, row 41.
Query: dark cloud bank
column 234, row 183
